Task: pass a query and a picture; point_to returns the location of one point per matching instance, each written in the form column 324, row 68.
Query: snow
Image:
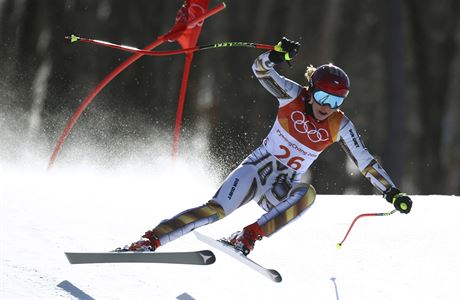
column 83, row 208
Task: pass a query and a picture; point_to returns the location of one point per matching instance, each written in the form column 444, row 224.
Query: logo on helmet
column 330, row 79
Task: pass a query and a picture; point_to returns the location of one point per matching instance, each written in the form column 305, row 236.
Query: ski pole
column 73, row 38
column 339, row 245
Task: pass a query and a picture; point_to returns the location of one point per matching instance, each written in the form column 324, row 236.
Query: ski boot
column 148, row 243
column 244, row 241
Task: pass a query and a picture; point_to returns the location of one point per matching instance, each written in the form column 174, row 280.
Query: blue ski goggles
column 323, row 98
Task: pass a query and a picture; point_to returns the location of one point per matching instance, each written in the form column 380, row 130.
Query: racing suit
column 271, row 174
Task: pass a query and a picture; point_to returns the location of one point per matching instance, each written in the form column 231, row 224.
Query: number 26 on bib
column 294, row 162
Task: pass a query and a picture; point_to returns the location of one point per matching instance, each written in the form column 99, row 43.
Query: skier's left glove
column 285, row 50
column 401, row 201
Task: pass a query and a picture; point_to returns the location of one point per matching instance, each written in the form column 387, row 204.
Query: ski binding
column 231, row 251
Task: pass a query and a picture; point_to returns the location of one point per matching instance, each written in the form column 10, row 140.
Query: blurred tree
column 394, row 152
column 435, row 30
column 402, row 58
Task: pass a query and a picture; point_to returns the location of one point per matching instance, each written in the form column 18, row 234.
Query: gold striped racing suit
column 271, row 174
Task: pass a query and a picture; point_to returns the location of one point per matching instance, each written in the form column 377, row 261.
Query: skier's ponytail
column 309, row 73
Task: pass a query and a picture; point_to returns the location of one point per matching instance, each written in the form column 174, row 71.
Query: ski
column 203, row 257
column 229, row 250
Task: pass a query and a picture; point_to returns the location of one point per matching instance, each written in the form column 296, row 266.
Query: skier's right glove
column 401, row 201
column 285, row 50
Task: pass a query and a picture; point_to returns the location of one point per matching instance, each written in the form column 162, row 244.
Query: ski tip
column 276, row 276
column 208, row 257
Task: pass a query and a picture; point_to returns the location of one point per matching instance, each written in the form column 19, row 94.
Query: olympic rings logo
column 304, row 126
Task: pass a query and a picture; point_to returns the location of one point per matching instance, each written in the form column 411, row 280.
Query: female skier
column 309, row 120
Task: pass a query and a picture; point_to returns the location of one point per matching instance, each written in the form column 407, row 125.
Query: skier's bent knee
column 187, row 221
column 300, row 198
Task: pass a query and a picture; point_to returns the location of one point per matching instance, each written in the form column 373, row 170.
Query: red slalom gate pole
column 180, row 105
column 92, row 95
column 206, row 15
column 170, row 36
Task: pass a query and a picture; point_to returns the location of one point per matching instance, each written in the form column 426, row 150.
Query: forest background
column 402, row 57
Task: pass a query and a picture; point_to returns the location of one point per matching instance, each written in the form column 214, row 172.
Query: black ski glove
column 285, row 50
column 401, row 201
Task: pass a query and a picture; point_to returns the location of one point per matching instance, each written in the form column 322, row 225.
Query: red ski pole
column 339, row 245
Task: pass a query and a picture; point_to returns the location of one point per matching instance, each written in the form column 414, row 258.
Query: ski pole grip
column 73, row 38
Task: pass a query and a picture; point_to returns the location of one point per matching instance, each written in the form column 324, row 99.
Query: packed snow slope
column 43, row 214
